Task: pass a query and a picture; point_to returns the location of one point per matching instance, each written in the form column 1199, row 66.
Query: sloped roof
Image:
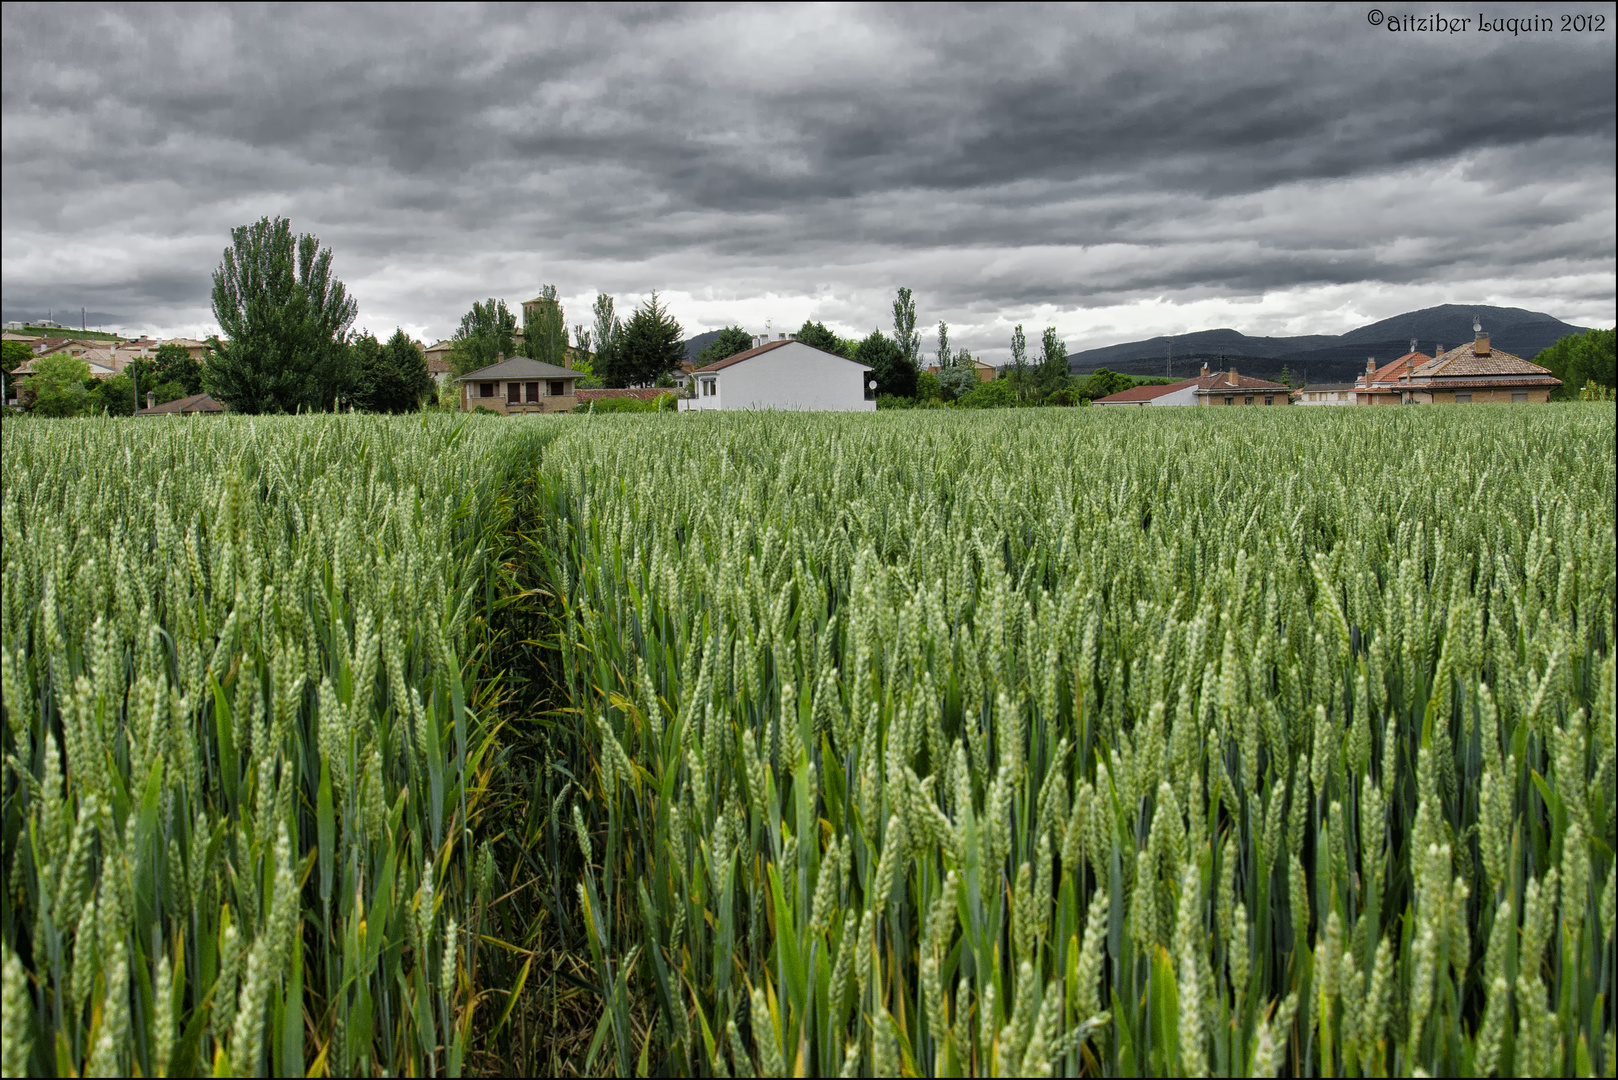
column 1396, row 369
column 748, row 354
column 1220, row 382
column 196, row 403
column 1324, row 387
column 1143, row 393
column 521, row 367
column 1466, row 362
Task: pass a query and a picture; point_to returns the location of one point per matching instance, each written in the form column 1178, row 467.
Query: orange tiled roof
column 1219, row 382
column 1466, row 361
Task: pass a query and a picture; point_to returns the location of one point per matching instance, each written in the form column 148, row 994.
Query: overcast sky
column 1116, row 172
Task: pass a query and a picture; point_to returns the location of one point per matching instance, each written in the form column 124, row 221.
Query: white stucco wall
column 792, row 376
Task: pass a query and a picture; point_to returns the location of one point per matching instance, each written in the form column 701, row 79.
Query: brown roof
column 750, row 353
column 1144, row 393
column 1396, row 369
column 1467, row 361
column 1219, row 382
column 196, row 403
column 639, row 393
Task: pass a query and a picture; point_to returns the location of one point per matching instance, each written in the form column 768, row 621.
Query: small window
column 1248, row 400
column 486, row 389
column 1342, row 395
column 556, row 388
column 1519, row 397
column 1269, row 399
column 1463, row 399
column 512, row 393
column 1229, row 400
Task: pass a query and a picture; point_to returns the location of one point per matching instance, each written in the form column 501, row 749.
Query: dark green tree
column 893, row 371
column 605, row 335
column 731, row 340
column 816, row 334
column 174, row 364
column 544, row 332
column 649, row 346
column 393, row 377
column 904, row 329
column 1020, row 382
column 12, row 354
column 1578, row 359
column 486, row 333
column 1053, row 375
column 284, row 322
column 1103, row 383
column 56, row 386
column 114, row 396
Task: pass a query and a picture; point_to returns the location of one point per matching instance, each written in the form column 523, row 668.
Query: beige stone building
column 1474, row 374
column 520, row 385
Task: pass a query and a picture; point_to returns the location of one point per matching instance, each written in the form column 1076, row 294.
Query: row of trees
column 897, row 365
column 645, row 351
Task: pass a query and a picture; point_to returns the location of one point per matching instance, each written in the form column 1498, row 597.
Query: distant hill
column 695, row 345
column 1325, row 357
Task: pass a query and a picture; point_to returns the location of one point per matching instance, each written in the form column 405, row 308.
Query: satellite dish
column 1477, row 327
column 871, row 384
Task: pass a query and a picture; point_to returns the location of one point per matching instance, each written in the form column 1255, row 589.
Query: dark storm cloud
column 1069, row 163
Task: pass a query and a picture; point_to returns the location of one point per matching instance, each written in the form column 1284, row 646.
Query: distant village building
column 1469, row 375
column 1180, row 393
column 783, row 374
column 984, row 372
column 1325, row 394
column 520, row 385
column 1229, row 388
column 438, row 365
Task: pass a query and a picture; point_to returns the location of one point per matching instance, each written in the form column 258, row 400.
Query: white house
column 784, row 374
column 1325, row 394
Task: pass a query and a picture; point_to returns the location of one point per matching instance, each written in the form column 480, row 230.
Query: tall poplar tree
column 1019, row 362
column 904, row 328
column 486, row 333
column 284, row 321
column 544, row 333
column 1053, row 374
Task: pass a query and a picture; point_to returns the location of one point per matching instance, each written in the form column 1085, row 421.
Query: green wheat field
column 1101, row 742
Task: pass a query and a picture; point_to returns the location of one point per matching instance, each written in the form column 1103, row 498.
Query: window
column 1342, row 395
column 709, row 387
column 486, row 389
column 1519, row 397
column 512, row 392
column 1463, row 398
column 556, row 388
column 533, row 392
column 1229, row 400
column 1248, row 400
column 1269, row 399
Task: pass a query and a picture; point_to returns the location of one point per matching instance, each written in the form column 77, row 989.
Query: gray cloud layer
column 1111, row 171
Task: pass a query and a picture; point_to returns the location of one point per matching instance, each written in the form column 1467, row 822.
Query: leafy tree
column 580, row 361
column 958, row 380
column 1019, row 362
column 605, row 336
column 1578, row 359
column 544, row 332
column 1053, row 374
column 114, row 396
column 731, row 340
column 1102, row 383
column 816, row 334
column 56, row 386
column 928, row 387
column 284, row 320
column 12, row 354
column 997, row 394
column 945, row 357
column 392, row 377
column 486, row 333
column 649, row 346
column 904, row 329
column 174, row 364
column 894, row 372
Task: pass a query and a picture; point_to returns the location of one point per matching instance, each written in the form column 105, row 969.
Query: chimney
column 1233, row 375
column 1205, row 369
column 1370, row 365
column 1438, row 350
column 151, row 399
column 1480, row 339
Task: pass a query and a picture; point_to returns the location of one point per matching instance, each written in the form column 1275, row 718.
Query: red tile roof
column 196, row 403
column 1219, row 382
column 1144, row 393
